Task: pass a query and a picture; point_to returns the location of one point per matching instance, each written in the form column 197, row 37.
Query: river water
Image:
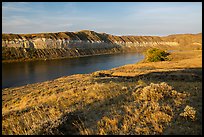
column 22, row 73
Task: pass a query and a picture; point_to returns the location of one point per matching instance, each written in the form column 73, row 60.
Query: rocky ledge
column 85, row 43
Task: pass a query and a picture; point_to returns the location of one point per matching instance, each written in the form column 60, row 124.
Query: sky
column 116, row 18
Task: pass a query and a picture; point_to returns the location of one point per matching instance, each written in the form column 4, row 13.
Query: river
column 22, row 73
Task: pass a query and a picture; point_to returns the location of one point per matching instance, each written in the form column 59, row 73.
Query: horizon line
column 99, row 33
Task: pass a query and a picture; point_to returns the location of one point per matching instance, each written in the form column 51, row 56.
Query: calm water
column 19, row 74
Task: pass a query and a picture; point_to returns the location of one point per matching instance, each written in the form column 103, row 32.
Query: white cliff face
column 60, row 45
column 42, row 43
column 90, row 39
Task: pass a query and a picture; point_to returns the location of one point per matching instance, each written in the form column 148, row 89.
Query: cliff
column 83, row 43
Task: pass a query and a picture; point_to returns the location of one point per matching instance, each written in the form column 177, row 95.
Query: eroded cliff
column 84, row 43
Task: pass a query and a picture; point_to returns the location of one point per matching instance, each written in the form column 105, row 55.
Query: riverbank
column 46, row 46
column 15, row 54
column 113, row 101
column 39, row 71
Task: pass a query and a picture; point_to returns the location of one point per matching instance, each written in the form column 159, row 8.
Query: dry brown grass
column 189, row 112
column 149, row 110
column 117, row 101
column 40, row 106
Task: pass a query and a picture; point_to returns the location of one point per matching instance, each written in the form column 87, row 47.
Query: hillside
column 146, row 98
column 21, row 47
column 156, row 98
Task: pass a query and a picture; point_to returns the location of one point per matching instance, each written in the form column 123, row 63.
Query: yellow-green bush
column 154, row 55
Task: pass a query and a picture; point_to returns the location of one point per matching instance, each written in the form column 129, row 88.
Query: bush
column 154, row 55
column 189, row 112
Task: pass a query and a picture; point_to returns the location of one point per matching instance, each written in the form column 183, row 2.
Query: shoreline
column 105, row 67
column 48, row 59
column 91, row 96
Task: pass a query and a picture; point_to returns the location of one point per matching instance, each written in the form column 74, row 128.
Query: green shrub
column 154, row 55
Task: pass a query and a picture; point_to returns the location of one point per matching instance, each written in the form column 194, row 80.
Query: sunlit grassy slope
column 144, row 98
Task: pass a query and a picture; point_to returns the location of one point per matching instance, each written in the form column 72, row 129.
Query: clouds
column 166, row 18
column 113, row 18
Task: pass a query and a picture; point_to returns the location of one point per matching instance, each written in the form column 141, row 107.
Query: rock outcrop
column 83, row 43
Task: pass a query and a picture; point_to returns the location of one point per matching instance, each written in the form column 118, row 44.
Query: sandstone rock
column 94, row 43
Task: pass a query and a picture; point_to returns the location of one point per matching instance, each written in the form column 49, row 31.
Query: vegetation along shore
column 163, row 97
column 101, row 68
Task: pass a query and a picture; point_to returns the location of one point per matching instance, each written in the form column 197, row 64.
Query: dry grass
column 149, row 110
column 189, row 112
column 143, row 98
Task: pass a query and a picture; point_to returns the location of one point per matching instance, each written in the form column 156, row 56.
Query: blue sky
column 117, row 18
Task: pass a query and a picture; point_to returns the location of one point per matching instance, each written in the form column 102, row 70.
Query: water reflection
column 18, row 74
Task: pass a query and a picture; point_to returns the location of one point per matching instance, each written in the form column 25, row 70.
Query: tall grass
column 150, row 111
